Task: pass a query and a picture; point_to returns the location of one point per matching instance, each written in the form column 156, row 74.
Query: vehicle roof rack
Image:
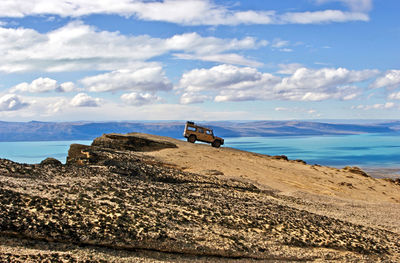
column 190, row 122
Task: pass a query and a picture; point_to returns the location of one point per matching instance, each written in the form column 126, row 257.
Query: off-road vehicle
column 195, row 133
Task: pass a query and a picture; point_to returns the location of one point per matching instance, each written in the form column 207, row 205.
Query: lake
column 35, row 152
column 365, row 151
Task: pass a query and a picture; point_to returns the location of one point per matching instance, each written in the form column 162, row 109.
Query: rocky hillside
column 112, row 203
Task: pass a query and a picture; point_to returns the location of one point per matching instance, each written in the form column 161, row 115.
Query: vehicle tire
column 191, row 138
column 216, row 144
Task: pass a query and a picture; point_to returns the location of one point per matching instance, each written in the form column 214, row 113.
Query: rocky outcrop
column 131, row 142
column 109, row 196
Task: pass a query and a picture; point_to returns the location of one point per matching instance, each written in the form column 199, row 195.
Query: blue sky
column 199, row 60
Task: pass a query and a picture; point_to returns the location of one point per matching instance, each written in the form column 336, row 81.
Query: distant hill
column 45, row 131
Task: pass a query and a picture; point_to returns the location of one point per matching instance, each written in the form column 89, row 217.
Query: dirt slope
column 343, row 193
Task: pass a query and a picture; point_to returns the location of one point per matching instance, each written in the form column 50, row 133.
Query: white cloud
column 84, row 100
column 355, row 5
column 231, row 83
column 58, row 108
column 193, row 97
column 37, row 86
column 139, row 99
column 281, row 45
column 11, row 102
column 278, row 43
column 218, row 77
column 378, row 106
column 319, row 17
column 186, row 12
column 390, row 80
column 67, row 87
column 282, row 109
column 77, row 46
column 289, row 69
column 193, row 42
column 142, row 79
column 222, row 58
column 286, row 50
column 394, row 96
column 42, row 85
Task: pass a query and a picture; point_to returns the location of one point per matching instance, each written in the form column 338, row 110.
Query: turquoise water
column 367, row 150
column 35, row 152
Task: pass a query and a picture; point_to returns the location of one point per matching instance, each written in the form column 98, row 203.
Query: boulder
column 51, row 161
column 131, row 142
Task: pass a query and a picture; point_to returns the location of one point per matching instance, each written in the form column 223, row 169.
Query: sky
column 75, row 60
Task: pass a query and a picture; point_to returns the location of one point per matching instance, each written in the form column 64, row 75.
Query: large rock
column 131, row 142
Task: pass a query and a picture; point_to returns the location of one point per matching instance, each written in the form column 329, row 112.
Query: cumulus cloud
column 218, row 77
column 67, row 87
column 84, row 100
column 37, row 86
column 232, row 83
column 79, row 46
column 11, row 102
column 142, row 79
column 186, row 12
column 289, row 69
column 41, row 85
column 391, row 79
column 139, row 99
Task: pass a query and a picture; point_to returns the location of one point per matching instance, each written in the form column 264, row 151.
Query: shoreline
column 57, row 149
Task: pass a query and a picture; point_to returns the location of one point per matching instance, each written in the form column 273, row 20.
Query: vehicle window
column 200, row 130
column 191, row 128
column 209, row 132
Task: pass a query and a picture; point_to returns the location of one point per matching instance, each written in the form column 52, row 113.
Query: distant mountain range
column 49, row 131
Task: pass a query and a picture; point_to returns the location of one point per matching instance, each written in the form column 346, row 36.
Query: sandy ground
column 323, row 190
